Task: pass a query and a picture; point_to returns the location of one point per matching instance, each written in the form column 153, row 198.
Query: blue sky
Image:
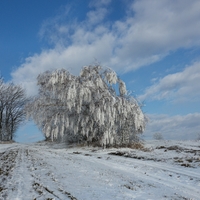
column 153, row 45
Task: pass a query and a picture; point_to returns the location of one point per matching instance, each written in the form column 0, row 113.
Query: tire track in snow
column 21, row 178
column 41, row 164
column 124, row 165
column 121, row 165
column 163, row 167
column 46, row 182
column 195, row 193
column 7, row 163
column 84, row 181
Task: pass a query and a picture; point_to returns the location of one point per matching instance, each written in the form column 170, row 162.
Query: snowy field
column 163, row 170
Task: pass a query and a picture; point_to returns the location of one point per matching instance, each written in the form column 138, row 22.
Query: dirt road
column 42, row 173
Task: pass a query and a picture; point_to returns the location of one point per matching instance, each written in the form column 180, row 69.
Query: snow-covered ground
column 44, row 171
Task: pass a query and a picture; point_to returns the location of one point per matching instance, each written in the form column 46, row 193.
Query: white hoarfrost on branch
column 122, row 88
column 86, row 108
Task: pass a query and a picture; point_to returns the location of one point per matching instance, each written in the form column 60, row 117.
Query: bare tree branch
column 12, row 114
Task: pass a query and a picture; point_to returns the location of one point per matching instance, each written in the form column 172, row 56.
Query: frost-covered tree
column 86, row 107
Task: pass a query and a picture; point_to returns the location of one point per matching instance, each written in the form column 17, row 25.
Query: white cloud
column 72, row 58
column 96, row 16
column 149, row 31
column 157, row 27
column 174, row 127
column 181, row 86
column 99, row 3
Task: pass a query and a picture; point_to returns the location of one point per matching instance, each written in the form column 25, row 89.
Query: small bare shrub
column 198, row 137
column 158, row 136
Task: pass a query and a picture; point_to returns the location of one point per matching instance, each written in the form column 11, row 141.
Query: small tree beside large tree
column 12, row 114
column 86, row 108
